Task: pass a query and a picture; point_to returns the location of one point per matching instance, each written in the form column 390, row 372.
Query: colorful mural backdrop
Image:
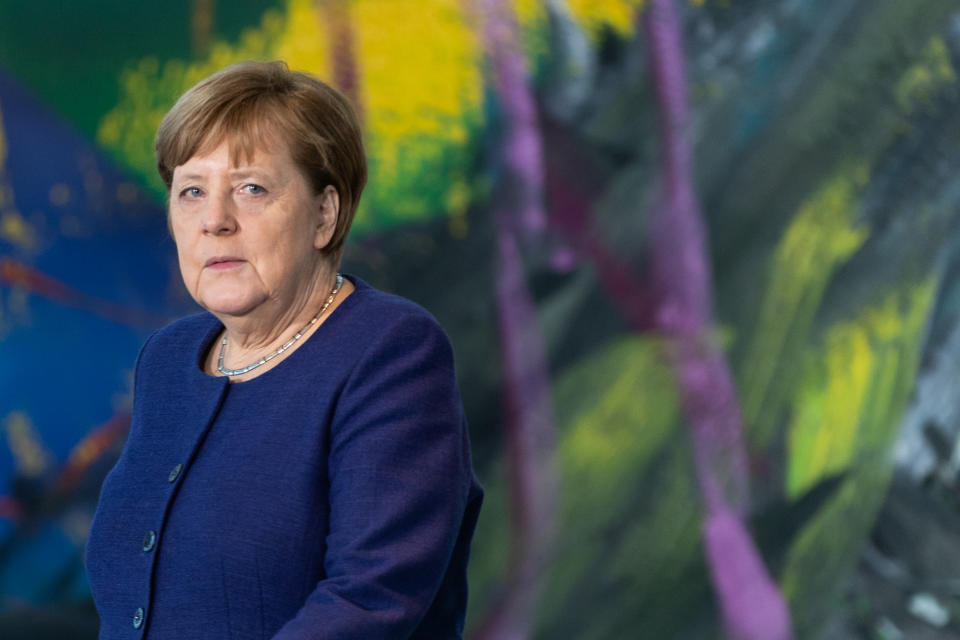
column 698, row 259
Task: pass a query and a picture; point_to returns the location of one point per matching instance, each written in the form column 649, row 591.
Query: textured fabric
column 331, row 497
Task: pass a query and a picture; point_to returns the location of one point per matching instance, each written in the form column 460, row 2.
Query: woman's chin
column 229, row 306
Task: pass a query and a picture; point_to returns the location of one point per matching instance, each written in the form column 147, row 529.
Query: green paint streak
column 491, row 543
column 639, row 552
column 827, row 549
column 629, row 502
column 418, row 178
column 887, row 43
column 624, row 459
column 849, row 112
column 821, row 238
column 926, row 78
column 636, row 398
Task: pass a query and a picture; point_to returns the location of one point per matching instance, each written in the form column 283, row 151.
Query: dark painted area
column 70, row 54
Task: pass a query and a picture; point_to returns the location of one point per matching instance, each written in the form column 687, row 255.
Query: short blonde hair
column 252, row 103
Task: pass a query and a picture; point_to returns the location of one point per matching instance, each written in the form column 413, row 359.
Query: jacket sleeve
column 400, row 476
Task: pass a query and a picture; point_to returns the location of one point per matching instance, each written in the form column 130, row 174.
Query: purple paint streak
column 752, row 606
column 679, row 263
column 522, row 150
column 528, row 408
column 532, row 476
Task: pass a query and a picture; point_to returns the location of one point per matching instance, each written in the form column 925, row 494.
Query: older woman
column 298, row 463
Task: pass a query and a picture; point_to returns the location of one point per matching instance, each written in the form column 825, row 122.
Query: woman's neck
column 253, row 337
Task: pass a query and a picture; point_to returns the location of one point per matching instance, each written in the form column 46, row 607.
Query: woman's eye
column 191, row 192
column 253, row 189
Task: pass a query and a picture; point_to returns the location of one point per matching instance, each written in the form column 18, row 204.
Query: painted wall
column 697, row 259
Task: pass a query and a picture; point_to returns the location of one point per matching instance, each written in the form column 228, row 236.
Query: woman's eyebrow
column 235, row 174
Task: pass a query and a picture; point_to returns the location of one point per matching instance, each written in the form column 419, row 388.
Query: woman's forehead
column 244, row 134
column 241, row 147
column 238, row 153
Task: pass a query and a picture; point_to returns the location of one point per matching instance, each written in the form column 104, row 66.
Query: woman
column 298, row 463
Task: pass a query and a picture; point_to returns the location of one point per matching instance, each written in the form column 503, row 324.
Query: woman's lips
column 223, row 262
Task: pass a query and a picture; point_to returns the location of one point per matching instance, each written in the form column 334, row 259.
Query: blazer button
column 175, row 472
column 138, row 618
column 149, row 540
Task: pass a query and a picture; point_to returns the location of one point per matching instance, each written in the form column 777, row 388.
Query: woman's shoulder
column 185, row 337
column 384, row 325
column 385, row 311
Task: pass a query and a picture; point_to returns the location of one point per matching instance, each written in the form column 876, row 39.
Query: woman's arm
column 403, row 499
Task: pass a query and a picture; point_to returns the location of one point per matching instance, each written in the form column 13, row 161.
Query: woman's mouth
column 223, row 262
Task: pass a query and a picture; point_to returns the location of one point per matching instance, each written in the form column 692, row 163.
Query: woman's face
column 248, row 235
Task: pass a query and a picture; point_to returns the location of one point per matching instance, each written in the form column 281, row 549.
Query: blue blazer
column 331, row 497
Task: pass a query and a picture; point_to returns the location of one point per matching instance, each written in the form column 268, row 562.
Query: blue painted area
column 103, row 275
column 69, row 368
column 40, row 566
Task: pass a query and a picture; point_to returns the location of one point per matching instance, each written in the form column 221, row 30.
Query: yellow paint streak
column 923, row 80
column 902, row 322
column 598, row 15
column 14, row 229
column 618, row 16
column 854, row 388
column 530, row 12
column 411, row 90
column 822, row 434
column 300, row 42
column 822, row 236
column 30, row 456
column 422, row 104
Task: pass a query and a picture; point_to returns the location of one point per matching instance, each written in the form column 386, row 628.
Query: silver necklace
column 266, row 359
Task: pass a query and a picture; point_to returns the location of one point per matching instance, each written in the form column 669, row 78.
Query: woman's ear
column 328, row 203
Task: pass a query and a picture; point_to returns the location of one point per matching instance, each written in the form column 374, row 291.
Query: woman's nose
column 219, row 217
